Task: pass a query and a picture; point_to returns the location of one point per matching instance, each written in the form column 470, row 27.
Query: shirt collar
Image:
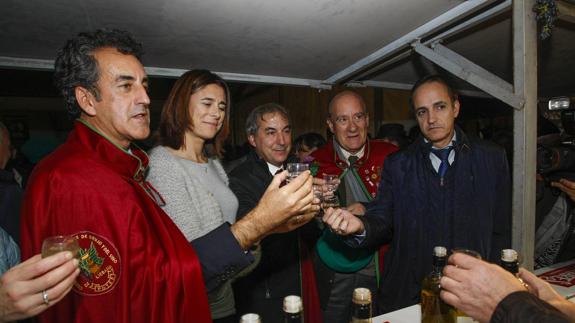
column 273, row 168
column 359, row 154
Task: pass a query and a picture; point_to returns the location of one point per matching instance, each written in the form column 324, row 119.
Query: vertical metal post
column 525, row 125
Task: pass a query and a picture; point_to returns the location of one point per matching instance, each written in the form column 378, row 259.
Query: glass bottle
column 361, row 306
column 250, row 318
column 510, row 262
column 433, row 308
column 293, row 309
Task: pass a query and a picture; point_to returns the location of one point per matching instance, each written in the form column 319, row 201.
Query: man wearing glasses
column 358, row 163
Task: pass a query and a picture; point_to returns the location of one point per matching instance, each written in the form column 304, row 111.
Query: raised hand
column 342, row 222
column 23, row 287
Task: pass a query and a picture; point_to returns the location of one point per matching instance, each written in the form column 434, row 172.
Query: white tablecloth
column 411, row 314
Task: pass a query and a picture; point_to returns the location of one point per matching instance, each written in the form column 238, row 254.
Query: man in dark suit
column 445, row 189
column 278, row 274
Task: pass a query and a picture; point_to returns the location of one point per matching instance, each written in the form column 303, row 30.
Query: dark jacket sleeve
column 501, row 237
column 378, row 219
column 223, row 262
column 525, row 307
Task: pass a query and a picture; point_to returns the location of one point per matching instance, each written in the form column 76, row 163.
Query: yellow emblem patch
column 99, row 264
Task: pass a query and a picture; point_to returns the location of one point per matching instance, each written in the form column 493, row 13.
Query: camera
column 556, row 152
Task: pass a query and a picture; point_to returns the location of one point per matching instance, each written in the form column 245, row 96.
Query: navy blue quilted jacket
column 414, row 211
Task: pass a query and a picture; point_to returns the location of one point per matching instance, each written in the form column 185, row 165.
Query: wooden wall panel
column 308, row 108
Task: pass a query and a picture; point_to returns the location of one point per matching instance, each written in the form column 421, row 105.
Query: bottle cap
column 440, row 251
column 361, row 296
column 250, row 318
column 292, row 304
column 509, row 255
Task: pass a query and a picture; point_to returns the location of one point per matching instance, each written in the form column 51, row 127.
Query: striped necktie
column 443, row 155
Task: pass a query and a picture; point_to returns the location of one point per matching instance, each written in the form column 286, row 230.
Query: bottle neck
column 292, row 317
column 510, row 266
column 438, row 264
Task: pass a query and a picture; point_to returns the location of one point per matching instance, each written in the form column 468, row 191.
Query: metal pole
column 525, row 123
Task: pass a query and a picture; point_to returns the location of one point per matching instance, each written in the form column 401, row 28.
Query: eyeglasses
column 357, row 118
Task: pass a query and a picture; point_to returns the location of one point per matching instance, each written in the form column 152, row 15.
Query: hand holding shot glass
column 53, row 245
column 295, row 169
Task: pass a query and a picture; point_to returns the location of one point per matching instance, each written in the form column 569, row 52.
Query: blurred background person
column 306, row 144
column 10, row 190
column 394, row 133
column 555, row 197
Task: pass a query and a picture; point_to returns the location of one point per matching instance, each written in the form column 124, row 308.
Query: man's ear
column 455, row 108
column 86, row 100
column 252, row 140
column 330, row 125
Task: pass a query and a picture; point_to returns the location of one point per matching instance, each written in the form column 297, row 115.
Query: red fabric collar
column 133, row 165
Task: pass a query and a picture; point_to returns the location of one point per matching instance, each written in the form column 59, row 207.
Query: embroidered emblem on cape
column 100, row 265
column 564, row 276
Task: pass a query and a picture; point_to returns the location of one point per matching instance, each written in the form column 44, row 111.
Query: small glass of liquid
column 55, row 244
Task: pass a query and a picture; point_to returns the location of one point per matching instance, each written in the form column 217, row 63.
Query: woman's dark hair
column 75, row 64
column 176, row 118
column 310, row 140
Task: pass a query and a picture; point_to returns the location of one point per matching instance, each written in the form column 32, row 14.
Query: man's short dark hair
column 258, row 113
column 75, row 64
column 434, row 78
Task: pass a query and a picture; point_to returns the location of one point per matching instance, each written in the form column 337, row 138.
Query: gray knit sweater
column 189, row 201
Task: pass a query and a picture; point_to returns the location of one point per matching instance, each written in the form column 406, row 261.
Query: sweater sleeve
column 525, row 307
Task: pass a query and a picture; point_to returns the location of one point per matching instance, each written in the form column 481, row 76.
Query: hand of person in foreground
column 545, row 292
column 475, row 286
column 342, row 222
column 567, row 186
column 278, row 205
column 23, row 286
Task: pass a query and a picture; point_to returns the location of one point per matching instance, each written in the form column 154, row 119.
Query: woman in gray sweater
column 186, row 172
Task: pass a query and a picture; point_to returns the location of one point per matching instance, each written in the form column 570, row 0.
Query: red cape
column 136, row 265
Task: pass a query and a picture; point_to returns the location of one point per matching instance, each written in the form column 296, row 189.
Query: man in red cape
column 358, row 163
column 135, row 264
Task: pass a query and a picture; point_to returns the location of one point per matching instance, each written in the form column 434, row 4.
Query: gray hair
column 257, row 113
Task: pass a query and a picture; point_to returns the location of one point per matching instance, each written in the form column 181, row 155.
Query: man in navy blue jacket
column 446, row 189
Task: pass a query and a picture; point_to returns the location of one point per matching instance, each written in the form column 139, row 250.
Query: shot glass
column 53, row 245
column 295, row 169
column 330, row 198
